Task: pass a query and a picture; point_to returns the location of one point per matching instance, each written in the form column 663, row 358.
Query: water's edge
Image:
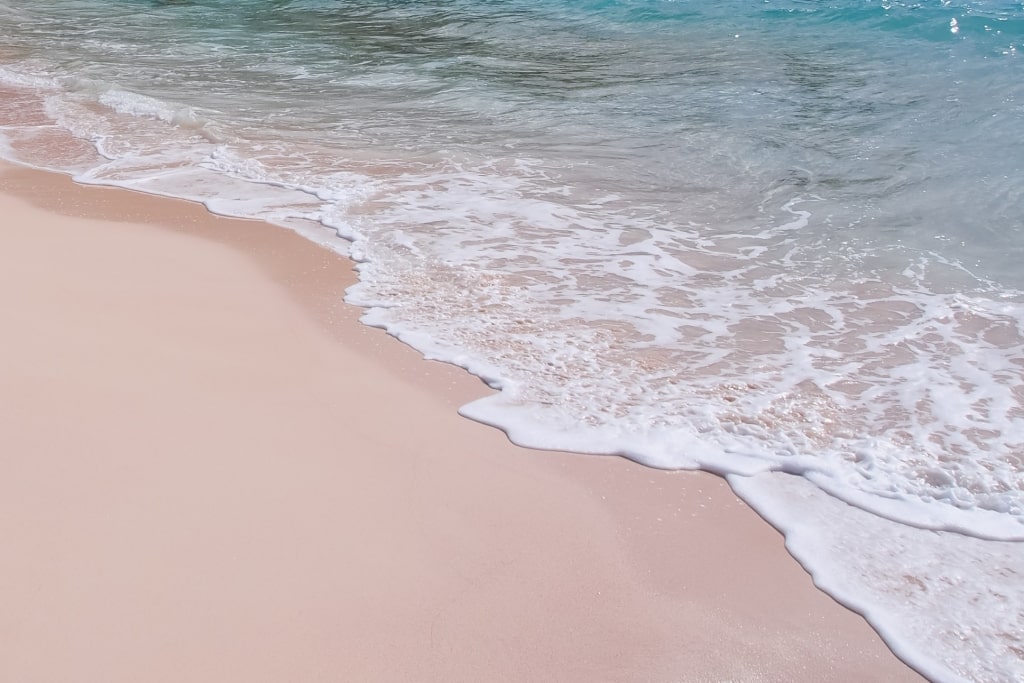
column 771, row 512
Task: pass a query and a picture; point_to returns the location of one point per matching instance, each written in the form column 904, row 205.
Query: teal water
column 776, row 240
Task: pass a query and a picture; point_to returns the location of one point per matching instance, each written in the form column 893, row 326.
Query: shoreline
column 246, row 483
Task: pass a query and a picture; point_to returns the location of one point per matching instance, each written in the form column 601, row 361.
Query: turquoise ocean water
column 779, row 240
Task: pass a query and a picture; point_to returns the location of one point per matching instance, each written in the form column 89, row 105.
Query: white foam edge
column 496, row 411
column 827, row 572
column 309, row 227
column 662, row 450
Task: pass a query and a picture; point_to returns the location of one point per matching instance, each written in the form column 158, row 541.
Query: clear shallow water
column 754, row 238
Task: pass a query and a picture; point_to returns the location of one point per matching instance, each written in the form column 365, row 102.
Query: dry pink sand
column 210, row 472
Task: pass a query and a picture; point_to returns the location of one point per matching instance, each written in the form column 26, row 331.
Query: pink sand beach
column 212, row 472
